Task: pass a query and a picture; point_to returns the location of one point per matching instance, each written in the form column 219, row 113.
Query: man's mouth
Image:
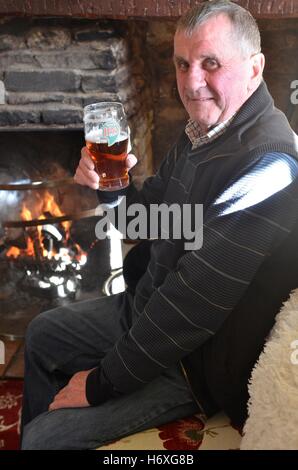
column 200, row 99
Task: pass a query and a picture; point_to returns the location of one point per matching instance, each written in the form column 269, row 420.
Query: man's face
column 213, row 78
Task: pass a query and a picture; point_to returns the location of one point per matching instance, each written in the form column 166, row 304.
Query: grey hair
column 245, row 27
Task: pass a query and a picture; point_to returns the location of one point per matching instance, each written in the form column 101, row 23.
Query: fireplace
column 52, row 68
column 49, row 254
column 55, row 58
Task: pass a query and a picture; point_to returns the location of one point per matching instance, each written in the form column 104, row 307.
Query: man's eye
column 210, row 64
column 182, row 66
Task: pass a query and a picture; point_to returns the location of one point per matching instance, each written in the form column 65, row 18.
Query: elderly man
column 186, row 340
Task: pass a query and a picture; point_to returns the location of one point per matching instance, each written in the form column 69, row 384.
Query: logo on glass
column 110, row 130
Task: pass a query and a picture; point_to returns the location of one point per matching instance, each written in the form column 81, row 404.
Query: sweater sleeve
column 153, row 188
column 245, row 223
column 116, row 203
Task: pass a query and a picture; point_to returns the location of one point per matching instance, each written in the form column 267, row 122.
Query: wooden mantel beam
column 123, row 9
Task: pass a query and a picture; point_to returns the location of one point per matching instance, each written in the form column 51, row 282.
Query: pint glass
column 107, row 135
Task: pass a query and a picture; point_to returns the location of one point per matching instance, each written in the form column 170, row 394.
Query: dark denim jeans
column 69, row 339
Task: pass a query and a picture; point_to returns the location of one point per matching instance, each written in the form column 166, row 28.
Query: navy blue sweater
column 247, row 182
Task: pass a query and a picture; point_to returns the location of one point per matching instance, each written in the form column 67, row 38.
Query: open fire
column 50, row 260
column 49, row 253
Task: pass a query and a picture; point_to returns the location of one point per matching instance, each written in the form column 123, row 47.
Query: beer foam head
column 95, row 137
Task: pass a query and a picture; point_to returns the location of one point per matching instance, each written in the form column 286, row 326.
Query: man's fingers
column 87, row 163
column 85, row 173
column 86, row 160
column 57, row 404
column 131, row 160
column 86, row 178
column 60, row 399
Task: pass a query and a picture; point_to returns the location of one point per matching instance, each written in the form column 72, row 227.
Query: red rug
column 10, row 413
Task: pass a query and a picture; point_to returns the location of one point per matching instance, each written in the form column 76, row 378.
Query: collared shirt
column 198, row 137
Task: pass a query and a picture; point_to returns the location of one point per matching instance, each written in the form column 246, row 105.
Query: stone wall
column 280, row 45
column 169, row 114
column 51, row 68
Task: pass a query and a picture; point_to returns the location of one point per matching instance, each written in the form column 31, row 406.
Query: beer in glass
column 107, row 135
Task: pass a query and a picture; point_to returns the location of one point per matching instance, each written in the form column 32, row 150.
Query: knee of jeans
column 36, row 330
column 46, row 432
column 33, row 441
column 35, row 438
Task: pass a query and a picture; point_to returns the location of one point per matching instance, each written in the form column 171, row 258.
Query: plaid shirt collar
column 198, row 137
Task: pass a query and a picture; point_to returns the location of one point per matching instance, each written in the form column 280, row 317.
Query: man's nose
column 196, row 78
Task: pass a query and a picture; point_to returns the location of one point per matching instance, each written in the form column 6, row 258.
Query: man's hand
column 74, row 394
column 85, row 173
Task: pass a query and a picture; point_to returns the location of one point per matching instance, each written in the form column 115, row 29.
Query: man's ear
column 257, row 67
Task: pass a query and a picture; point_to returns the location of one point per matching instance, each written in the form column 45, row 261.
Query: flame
column 48, row 206
column 13, row 252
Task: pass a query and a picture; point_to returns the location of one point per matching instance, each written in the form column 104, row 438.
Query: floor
column 14, row 359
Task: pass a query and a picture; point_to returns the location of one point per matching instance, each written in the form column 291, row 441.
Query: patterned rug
column 185, row 434
column 10, row 412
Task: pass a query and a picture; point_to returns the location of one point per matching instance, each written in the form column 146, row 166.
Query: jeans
column 65, row 340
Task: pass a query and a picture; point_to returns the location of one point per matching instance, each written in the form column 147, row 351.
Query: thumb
column 131, row 161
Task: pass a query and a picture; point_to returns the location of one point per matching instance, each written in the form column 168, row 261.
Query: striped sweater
column 247, row 182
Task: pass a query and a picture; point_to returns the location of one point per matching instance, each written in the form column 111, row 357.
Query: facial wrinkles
column 207, row 83
column 210, row 93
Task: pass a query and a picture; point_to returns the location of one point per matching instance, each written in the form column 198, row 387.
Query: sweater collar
column 256, row 104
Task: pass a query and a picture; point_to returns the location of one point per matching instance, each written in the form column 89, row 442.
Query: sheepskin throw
column 273, row 389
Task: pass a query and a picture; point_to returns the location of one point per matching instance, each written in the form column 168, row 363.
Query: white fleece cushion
column 273, row 405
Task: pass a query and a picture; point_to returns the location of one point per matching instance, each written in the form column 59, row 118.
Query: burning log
column 50, row 259
column 37, row 246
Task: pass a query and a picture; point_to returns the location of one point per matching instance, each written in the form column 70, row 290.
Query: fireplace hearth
column 49, row 254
